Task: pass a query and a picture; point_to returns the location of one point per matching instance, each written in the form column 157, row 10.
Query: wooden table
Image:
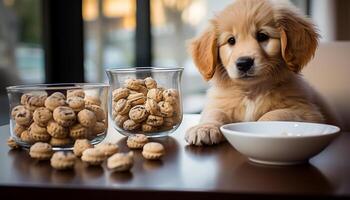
column 186, row 172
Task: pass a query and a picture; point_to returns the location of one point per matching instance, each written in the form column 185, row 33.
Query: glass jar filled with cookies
column 145, row 100
column 58, row 114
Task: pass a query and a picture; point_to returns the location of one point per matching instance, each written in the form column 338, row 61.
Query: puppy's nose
column 244, row 63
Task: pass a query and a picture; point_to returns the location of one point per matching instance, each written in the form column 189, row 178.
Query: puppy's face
column 254, row 40
column 249, row 43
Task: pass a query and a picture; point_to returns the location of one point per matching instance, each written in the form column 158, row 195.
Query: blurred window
column 109, row 27
column 21, row 52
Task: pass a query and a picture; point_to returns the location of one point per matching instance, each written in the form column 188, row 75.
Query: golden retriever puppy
column 252, row 54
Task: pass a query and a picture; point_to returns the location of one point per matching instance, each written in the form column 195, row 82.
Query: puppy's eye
column 231, row 41
column 262, row 37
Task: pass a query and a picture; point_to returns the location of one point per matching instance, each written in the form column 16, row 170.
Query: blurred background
column 45, row 41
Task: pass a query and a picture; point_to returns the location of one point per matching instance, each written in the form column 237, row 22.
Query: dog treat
column 150, row 83
column 75, row 93
column 55, row 100
column 141, row 105
column 42, row 116
column 64, row 116
column 11, row 142
column 56, row 130
column 92, row 100
column 18, row 129
column 35, row 101
column 38, row 133
column 23, row 117
column 153, row 151
column 154, row 120
column 80, row 146
column 99, row 112
column 108, row 148
column 76, row 103
column 62, row 160
column 155, row 94
column 93, row 156
column 136, row 141
column 16, row 110
column 25, row 97
column 99, row 128
column 60, row 142
column 120, row 119
column 41, row 151
column 78, row 132
column 87, row 118
column 136, row 99
column 130, row 125
column 138, row 113
column 120, row 93
column 120, row 162
column 26, row 137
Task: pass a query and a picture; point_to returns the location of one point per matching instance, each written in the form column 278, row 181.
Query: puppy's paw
column 204, row 134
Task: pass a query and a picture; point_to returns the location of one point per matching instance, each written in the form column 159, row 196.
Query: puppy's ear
column 299, row 38
column 204, row 53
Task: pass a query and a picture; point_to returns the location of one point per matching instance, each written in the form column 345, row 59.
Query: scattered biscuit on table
column 153, row 151
column 120, row 162
column 62, row 160
column 80, row 146
column 136, row 141
column 41, row 151
column 108, row 148
column 93, row 156
column 11, row 142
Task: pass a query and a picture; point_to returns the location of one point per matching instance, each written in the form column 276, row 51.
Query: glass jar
column 58, row 113
column 145, row 100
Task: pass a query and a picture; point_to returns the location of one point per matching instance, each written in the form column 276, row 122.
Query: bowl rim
column 144, row 69
column 224, row 129
column 55, row 86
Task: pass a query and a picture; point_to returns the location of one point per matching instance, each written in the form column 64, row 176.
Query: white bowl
column 277, row 142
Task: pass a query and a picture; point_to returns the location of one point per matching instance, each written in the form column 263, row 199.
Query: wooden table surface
column 186, row 172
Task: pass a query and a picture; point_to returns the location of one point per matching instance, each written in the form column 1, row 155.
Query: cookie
column 108, row 148
column 64, row 116
column 76, row 103
column 171, row 95
column 25, row 97
column 38, row 133
column 148, row 128
column 134, row 84
column 26, row 137
column 11, row 142
column 136, row 99
column 35, row 101
column 99, row 112
column 152, row 107
column 87, row 118
column 56, row 130
column 54, row 101
column 92, row 100
column 166, row 109
column 58, row 95
column 155, row 94
column 168, row 122
column 41, row 151
column 120, row 119
column 80, row 146
column 62, row 160
column 120, row 93
column 122, row 106
column 18, row 130
column 153, row 151
column 120, row 162
column 154, row 120
column 93, row 156
column 130, row 125
column 42, row 116
column 75, row 93
column 143, row 90
column 60, row 142
column 136, row 141
column 138, row 113
column 23, row 117
column 16, row 110
column 100, row 127
column 78, row 132
column 150, row 83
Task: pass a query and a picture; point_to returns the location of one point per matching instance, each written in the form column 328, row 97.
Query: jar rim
column 144, row 69
column 55, row 86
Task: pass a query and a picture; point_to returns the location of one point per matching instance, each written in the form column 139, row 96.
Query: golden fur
column 274, row 89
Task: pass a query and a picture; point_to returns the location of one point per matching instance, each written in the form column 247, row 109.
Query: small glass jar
column 145, row 100
column 58, row 114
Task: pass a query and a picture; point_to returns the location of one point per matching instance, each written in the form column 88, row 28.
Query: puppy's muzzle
column 244, row 63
